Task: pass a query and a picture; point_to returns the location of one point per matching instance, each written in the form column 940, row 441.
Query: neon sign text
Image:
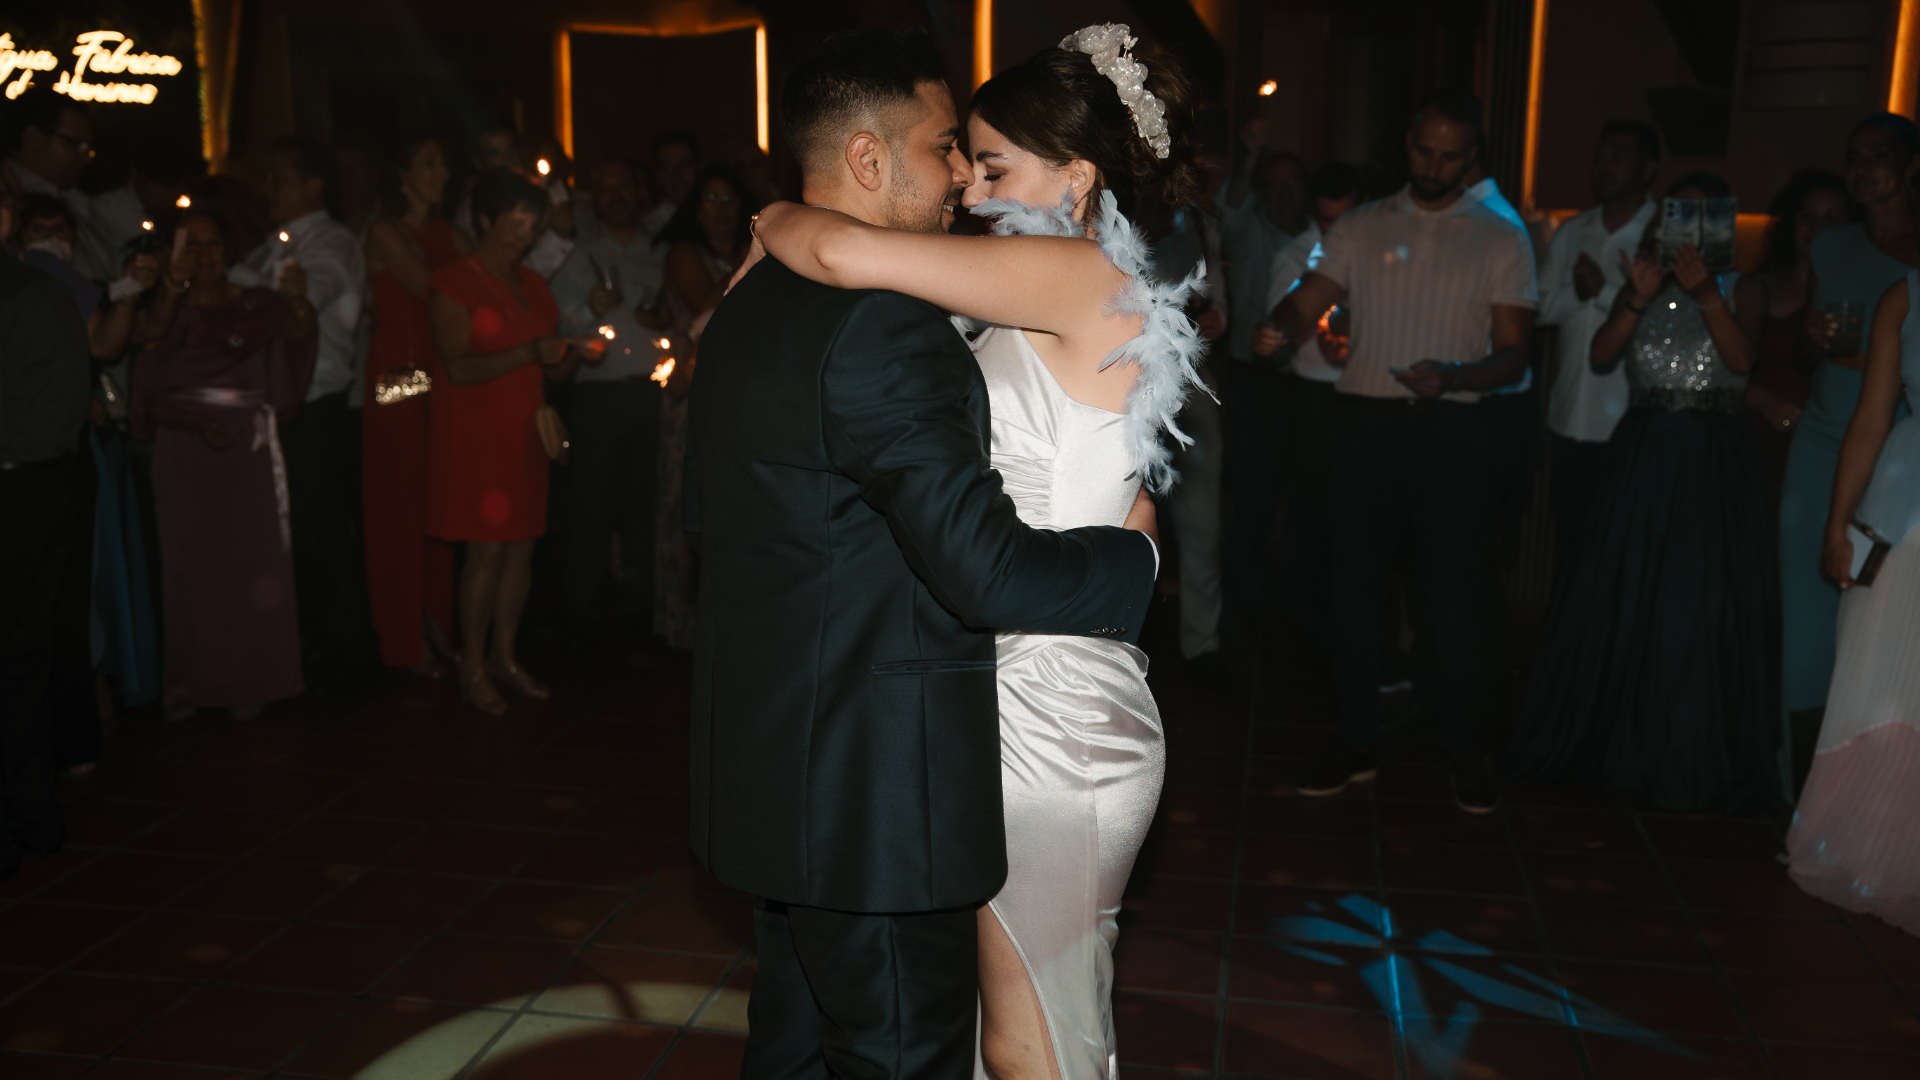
column 105, row 52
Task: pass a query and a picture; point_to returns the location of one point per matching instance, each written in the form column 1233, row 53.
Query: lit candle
column 663, row 371
column 1267, row 88
column 663, row 343
column 607, row 332
column 543, row 166
column 147, row 225
column 183, row 202
column 284, row 238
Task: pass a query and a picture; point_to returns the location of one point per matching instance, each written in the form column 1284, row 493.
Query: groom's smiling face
column 926, row 170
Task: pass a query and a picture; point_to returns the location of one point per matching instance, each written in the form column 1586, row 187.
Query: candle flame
column 663, row 371
column 543, row 166
column 663, row 343
column 1267, row 88
column 147, row 225
column 183, row 202
column 607, row 332
column 284, row 238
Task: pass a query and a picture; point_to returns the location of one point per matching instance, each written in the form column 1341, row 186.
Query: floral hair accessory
column 1111, row 47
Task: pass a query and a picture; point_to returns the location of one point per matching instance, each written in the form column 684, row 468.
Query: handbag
column 553, row 433
column 401, row 384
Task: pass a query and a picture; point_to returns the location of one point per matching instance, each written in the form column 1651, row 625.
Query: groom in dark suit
column 857, row 554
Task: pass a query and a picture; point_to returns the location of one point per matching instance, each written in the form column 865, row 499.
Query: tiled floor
column 391, row 888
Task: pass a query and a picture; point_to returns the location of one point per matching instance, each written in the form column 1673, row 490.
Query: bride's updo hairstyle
column 1058, row 107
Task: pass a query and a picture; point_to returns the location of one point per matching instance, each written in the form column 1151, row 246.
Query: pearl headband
column 1111, row 47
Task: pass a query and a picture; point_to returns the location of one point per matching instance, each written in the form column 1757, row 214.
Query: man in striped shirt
column 1431, row 276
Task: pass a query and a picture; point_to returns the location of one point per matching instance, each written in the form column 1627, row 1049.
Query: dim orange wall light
column 982, row 41
column 1536, row 63
column 563, row 71
column 1906, row 57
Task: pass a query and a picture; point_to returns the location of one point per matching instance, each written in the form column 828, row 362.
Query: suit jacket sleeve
column 895, row 391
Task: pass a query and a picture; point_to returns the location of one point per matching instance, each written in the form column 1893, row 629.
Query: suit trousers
column 1418, row 478
column 322, row 447
column 37, row 513
column 615, row 429
column 862, row 996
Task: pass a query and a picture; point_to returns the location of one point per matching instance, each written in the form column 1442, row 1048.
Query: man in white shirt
column 49, row 141
column 1578, row 283
column 162, row 168
column 1432, row 277
column 338, row 648
column 614, row 419
column 1307, row 429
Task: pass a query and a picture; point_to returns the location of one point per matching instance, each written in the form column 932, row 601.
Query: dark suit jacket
column 857, row 553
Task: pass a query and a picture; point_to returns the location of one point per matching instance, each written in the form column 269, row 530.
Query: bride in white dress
column 1087, row 359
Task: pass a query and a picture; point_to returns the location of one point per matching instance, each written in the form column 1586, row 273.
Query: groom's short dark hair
column 853, row 75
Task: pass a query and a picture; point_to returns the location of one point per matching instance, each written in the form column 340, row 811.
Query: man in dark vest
column 857, row 554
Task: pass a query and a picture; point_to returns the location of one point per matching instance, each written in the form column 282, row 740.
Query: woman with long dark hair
column 1812, row 200
column 409, row 574
column 1087, row 359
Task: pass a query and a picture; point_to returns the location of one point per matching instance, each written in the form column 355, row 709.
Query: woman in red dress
column 409, row 574
column 493, row 322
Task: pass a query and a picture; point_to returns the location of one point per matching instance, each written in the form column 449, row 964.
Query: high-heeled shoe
column 519, row 681
column 478, row 691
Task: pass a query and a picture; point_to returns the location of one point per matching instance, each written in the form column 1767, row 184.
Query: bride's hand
column 1142, row 518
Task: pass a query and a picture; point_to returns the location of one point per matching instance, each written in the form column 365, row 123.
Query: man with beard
column 1431, row 276
column 856, row 546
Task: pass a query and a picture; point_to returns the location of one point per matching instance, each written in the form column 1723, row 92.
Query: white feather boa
column 1169, row 348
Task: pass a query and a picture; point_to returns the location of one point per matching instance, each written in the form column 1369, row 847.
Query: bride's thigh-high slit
column 1014, row 1042
column 1082, row 757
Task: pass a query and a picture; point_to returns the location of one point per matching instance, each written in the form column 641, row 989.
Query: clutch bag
column 401, row 384
column 553, row 433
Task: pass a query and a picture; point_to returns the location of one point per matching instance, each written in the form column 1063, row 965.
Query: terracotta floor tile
column 523, row 909
column 727, row 1011
column 1670, row 1001
column 217, row 831
column 46, row 935
column 133, row 1070
column 1613, row 932
column 176, row 782
column 1305, row 860
column 1419, row 822
column 1260, row 908
column 1401, row 780
column 1822, row 1062
column 1206, row 771
column 132, row 879
column 683, row 922
column 1177, row 904
column 623, row 984
column 1597, row 878
column 1712, row 838
column 15, row 979
column 1601, row 832
column 331, row 959
column 1200, row 808
column 1759, row 887
column 658, row 774
column 81, row 1014
column 290, row 790
column 342, row 841
column 268, row 890
column 408, row 1039
column 40, row 1067
column 402, row 901
column 1486, row 871
column 231, row 1028
column 1303, row 973
column 37, row 872
column 1680, row 1058
column 1572, row 798
column 704, row 1056
column 1291, row 1041
column 683, row 873
column 1500, row 924
column 1496, row 1051
column 177, row 945
column 249, row 745
column 474, row 762
column 477, row 850
column 638, row 816
column 588, row 859
column 353, row 754
column 1164, row 1031
column 1175, row 961
column 1302, row 816
column 407, row 798
column 519, row 730
column 1185, row 853
column 520, row 807
column 1869, row 1016
column 1824, row 950
column 1897, row 951
column 543, row 1047
column 570, row 768
column 477, row 971
column 102, row 822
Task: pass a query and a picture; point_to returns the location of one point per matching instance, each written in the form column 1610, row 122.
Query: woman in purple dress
column 232, row 366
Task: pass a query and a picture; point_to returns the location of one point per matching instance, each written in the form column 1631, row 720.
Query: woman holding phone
column 1855, row 841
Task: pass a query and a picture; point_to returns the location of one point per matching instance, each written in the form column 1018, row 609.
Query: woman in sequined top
column 1655, row 678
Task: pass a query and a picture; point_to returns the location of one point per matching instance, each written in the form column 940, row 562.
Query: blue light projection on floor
column 1395, row 982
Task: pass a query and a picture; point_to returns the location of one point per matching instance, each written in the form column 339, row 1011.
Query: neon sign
column 105, row 52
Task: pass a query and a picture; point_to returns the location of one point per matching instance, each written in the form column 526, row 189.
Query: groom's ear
column 867, row 160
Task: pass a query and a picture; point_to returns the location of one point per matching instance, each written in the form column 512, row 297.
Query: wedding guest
column 337, row 645
column 1653, row 677
column 409, row 574
column 1582, row 275
column 46, row 239
column 1851, row 264
column 211, row 394
column 43, row 360
column 707, row 238
column 48, row 138
column 1855, row 841
column 493, row 323
column 1812, row 200
column 162, row 168
column 1262, row 207
column 614, row 419
column 676, row 165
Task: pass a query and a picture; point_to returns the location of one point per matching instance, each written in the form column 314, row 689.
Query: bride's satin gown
column 1082, row 753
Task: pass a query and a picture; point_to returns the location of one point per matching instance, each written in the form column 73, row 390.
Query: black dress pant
column 615, row 429
column 1254, row 406
column 861, row 996
column 71, row 700
column 322, row 447
column 1413, row 476
column 36, row 532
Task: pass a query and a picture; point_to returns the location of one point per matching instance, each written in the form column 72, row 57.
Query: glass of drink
column 1848, row 318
